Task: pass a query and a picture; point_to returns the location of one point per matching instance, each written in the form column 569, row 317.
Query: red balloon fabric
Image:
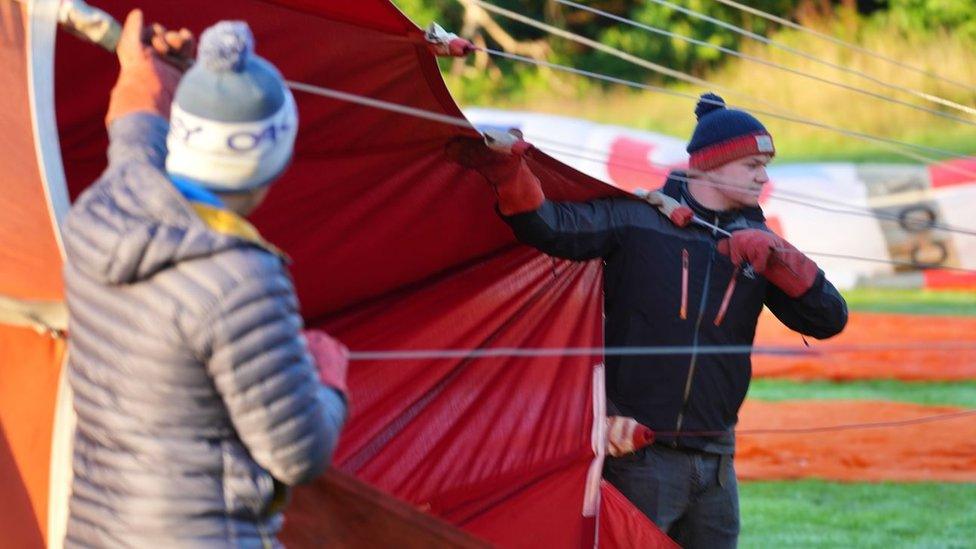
column 397, row 248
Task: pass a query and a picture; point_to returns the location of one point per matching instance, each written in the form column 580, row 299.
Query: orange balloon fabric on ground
column 931, row 364
column 30, row 366
column 935, row 451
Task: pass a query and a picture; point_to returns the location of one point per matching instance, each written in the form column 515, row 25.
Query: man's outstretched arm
column 570, row 230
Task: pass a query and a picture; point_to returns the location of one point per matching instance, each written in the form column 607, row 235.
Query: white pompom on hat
column 233, row 123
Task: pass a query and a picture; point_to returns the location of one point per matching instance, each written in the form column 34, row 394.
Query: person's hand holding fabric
column 677, row 213
column 625, row 435
column 146, row 82
column 773, row 257
column 331, row 359
column 176, row 47
column 500, row 159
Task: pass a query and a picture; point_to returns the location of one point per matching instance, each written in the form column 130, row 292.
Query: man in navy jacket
column 669, row 283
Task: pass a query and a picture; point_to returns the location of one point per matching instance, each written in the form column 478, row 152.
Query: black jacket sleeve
column 571, row 230
column 821, row 312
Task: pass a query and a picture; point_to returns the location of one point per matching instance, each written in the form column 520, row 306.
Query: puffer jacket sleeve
column 138, row 137
column 261, row 367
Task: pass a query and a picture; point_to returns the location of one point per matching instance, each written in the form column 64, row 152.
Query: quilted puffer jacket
column 198, row 403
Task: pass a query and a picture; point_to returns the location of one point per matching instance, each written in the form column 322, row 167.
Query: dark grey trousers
column 692, row 496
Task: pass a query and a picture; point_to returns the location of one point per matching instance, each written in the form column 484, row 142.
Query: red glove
column 446, row 44
column 625, row 435
column 331, row 359
column 679, row 215
column 505, row 168
column 773, row 257
column 146, row 83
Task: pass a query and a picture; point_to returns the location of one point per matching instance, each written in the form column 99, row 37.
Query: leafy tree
column 914, row 16
column 958, row 16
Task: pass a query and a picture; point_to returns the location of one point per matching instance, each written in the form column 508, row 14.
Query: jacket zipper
column 694, row 342
column 694, row 345
column 683, row 313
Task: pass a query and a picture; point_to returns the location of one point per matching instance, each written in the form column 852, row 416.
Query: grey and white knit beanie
column 233, row 122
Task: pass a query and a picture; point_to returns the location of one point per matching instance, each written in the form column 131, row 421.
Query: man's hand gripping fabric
column 678, row 214
column 773, row 257
column 625, row 435
column 331, row 359
column 500, row 159
column 146, row 81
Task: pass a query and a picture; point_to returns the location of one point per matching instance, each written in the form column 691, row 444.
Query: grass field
column 812, row 513
column 962, row 394
column 919, row 302
column 816, row 513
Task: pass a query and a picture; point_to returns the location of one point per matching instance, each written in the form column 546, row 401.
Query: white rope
column 380, row 104
column 786, row 196
column 893, row 145
column 811, row 57
column 790, row 70
column 844, row 43
column 557, row 145
column 867, row 214
column 661, row 69
column 663, row 350
column 667, row 71
column 879, row 260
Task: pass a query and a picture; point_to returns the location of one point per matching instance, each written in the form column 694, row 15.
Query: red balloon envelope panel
column 395, row 247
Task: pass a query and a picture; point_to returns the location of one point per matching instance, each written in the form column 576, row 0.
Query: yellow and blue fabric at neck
column 195, row 193
column 214, row 213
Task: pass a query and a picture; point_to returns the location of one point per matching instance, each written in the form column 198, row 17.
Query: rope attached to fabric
column 780, row 66
column 662, row 350
column 828, row 428
column 895, row 146
column 460, row 122
column 844, row 43
column 802, row 199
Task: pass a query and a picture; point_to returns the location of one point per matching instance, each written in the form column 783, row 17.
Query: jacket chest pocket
column 723, row 307
column 737, row 292
column 693, row 277
column 703, row 274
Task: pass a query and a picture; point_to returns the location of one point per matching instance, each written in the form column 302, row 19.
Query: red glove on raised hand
column 331, row 359
column 501, row 161
column 146, row 83
column 773, row 257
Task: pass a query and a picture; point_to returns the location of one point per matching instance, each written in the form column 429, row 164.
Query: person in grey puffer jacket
column 197, row 397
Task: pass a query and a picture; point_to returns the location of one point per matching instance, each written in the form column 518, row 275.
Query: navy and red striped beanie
column 724, row 135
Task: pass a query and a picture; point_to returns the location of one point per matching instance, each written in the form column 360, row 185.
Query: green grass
column 955, row 303
column 813, row 513
column 947, row 393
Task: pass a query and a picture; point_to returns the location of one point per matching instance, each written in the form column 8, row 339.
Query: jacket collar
column 677, row 187
column 210, row 209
